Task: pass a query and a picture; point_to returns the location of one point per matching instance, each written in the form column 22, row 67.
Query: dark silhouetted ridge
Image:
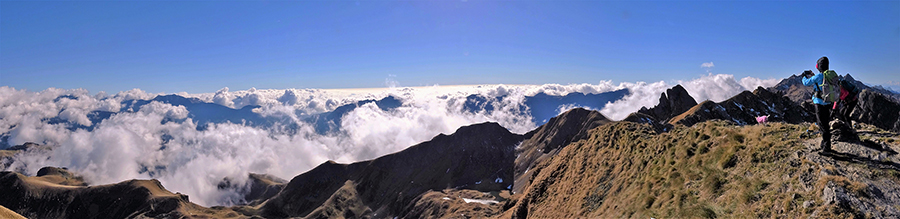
column 478, row 157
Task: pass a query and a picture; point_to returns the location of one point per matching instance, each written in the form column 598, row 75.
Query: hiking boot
column 825, row 146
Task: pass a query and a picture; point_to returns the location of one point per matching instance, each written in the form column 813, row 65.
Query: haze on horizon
column 201, row 47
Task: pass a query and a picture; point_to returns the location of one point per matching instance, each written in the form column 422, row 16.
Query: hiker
column 826, row 92
column 849, row 99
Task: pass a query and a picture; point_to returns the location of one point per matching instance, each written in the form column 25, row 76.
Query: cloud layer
column 162, row 141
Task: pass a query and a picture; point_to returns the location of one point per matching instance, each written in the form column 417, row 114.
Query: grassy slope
column 712, row 169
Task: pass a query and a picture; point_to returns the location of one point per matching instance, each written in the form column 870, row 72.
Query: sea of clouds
column 162, row 141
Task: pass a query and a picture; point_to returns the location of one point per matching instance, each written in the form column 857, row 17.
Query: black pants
column 823, row 114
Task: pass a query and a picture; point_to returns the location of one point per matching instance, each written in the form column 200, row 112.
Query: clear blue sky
column 200, row 46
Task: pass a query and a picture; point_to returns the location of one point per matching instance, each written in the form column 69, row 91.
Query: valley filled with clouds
column 191, row 142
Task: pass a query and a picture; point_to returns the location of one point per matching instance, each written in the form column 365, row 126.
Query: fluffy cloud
column 751, row 83
column 715, row 87
column 162, row 141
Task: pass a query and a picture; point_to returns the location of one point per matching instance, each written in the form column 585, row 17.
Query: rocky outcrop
column 477, row 157
column 848, row 181
column 878, row 110
column 546, row 140
column 742, row 109
column 673, row 102
column 840, row 131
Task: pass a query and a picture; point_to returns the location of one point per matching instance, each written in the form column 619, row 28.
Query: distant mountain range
column 540, row 107
column 677, row 159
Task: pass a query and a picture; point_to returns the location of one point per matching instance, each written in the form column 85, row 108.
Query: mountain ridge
column 676, row 159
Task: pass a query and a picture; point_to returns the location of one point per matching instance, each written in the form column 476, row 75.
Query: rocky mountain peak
column 673, row 102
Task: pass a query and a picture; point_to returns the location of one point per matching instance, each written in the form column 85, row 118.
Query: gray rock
column 878, row 110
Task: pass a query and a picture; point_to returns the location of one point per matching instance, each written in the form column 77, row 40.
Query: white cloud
column 707, row 65
column 717, row 87
column 642, row 94
column 289, row 97
column 751, row 83
column 566, row 107
column 222, row 97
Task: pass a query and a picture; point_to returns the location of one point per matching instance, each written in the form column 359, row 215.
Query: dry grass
column 710, row 170
column 9, row 214
column 857, row 188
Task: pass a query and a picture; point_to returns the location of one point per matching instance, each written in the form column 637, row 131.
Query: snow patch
column 480, row 201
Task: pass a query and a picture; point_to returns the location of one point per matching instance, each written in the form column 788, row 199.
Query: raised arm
column 812, row 80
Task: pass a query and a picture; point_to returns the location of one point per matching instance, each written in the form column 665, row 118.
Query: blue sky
column 201, row 46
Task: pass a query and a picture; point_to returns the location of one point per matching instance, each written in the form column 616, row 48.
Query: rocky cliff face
column 878, row 110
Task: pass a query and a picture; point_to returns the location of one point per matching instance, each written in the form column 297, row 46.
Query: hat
column 822, row 64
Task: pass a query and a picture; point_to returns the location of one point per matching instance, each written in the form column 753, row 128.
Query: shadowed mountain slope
column 545, row 141
column 478, row 157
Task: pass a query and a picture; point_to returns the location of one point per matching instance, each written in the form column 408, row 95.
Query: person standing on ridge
column 849, row 99
column 826, row 92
